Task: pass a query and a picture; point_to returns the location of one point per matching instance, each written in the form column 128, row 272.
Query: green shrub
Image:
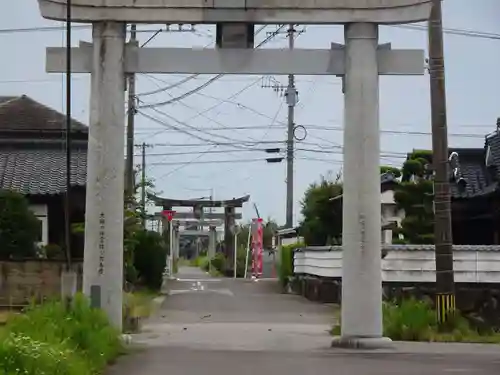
column 285, row 265
column 219, row 263
column 414, row 320
column 52, row 339
column 201, row 262
column 19, row 227
column 241, row 257
column 54, row 251
column 411, row 320
column 149, row 258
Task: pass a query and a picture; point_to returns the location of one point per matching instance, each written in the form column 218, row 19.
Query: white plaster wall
column 470, row 266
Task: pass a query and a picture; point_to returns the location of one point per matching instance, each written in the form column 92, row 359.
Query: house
column 476, row 209
column 33, row 162
column 475, row 193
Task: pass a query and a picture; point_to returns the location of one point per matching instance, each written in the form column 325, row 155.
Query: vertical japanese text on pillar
column 102, row 249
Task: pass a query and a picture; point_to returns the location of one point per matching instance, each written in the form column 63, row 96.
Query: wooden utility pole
column 445, row 284
column 129, row 167
column 143, row 184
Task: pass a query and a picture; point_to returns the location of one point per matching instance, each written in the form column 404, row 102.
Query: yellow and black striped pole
column 445, row 306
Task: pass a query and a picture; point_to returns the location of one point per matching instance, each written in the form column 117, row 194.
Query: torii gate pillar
column 361, row 235
column 103, row 269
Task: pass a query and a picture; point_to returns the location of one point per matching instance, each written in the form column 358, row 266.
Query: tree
column 388, row 169
column 149, row 257
column 322, row 217
column 415, row 196
column 19, row 227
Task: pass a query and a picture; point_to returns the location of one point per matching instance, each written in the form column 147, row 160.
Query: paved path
column 222, row 326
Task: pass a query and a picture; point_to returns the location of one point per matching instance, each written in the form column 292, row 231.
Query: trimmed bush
column 51, row 339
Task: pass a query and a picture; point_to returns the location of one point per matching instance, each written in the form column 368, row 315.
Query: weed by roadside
column 137, row 306
column 52, row 339
column 413, row 320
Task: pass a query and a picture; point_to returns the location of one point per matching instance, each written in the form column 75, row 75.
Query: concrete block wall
column 23, row 281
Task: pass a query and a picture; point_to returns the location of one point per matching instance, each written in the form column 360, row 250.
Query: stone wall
column 28, row 280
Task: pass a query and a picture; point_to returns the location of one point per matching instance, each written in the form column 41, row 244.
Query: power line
column 218, row 143
column 173, row 85
column 334, row 128
column 241, row 143
column 210, row 81
column 212, row 107
column 86, row 27
column 229, row 161
column 192, row 128
column 334, row 152
column 452, row 31
column 199, row 113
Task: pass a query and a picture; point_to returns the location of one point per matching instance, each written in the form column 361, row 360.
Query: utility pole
column 143, row 147
column 445, row 284
column 291, row 99
column 129, row 167
column 291, row 95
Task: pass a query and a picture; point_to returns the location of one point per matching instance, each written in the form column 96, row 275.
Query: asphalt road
column 222, row 326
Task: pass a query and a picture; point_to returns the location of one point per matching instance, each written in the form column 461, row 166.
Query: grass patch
column 412, row 320
column 52, row 339
column 140, row 304
column 136, row 307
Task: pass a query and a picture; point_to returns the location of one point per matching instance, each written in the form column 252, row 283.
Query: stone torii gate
column 198, row 205
column 359, row 62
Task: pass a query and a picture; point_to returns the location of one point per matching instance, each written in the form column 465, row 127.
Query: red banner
column 257, row 247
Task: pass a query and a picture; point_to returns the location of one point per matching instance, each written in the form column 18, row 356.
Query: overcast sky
column 472, row 83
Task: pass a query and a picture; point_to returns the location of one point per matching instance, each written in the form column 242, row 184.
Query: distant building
column 33, row 163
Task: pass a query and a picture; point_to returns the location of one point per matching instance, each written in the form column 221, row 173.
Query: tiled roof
column 493, row 141
column 32, row 152
column 40, row 171
column 473, row 168
column 21, row 113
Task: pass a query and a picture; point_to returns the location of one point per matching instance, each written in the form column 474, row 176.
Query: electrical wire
column 452, row 31
column 200, row 113
column 332, row 128
column 241, row 143
column 212, row 107
column 187, row 79
column 230, row 161
column 207, row 83
column 263, row 150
